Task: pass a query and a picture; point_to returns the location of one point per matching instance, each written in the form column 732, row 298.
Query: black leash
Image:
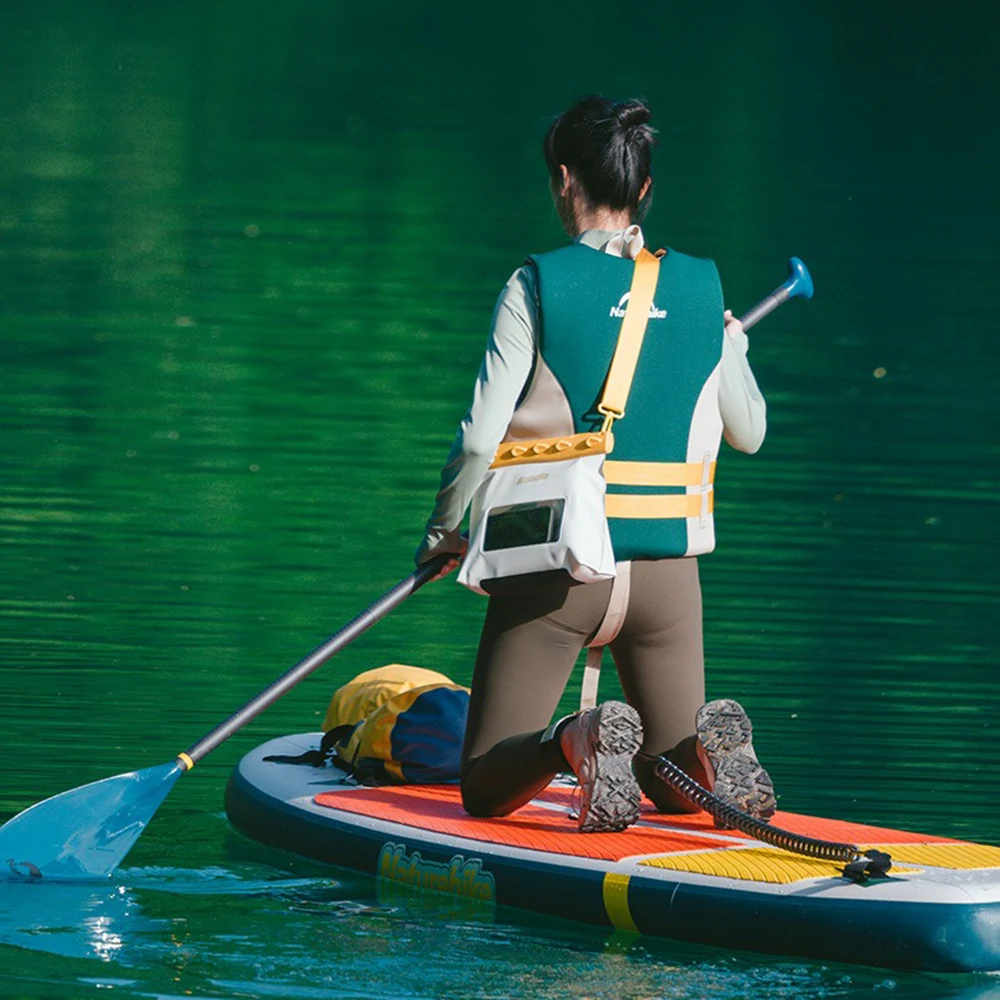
column 860, row 866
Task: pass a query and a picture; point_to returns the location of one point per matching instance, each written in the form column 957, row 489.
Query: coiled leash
column 860, row 865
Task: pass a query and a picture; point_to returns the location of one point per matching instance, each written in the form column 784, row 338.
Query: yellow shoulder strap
column 640, row 299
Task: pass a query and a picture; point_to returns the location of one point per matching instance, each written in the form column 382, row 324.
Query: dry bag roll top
column 359, row 697
column 398, row 724
column 413, row 738
column 393, row 725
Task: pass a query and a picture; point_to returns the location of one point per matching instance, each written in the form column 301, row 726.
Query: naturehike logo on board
column 458, row 877
column 619, row 310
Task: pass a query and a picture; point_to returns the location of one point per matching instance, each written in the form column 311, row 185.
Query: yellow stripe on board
column 657, row 473
column 645, row 505
column 615, row 891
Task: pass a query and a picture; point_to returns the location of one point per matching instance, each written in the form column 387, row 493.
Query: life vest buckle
column 610, row 415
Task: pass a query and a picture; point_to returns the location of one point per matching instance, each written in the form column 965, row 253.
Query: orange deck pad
column 438, row 809
column 807, row 826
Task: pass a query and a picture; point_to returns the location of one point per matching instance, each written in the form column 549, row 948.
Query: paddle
column 799, row 284
column 87, row 831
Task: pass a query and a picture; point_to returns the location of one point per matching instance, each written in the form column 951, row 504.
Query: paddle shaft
column 766, row 305
column 389, row 600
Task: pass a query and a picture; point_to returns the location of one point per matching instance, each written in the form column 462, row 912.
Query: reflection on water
column 74, row 921
column 171, row 932
column 247, row 260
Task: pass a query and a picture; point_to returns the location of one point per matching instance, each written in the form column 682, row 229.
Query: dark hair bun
column 608, row 147
column 632, row 113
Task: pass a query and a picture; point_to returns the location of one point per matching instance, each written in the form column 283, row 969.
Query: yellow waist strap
column 657, row 473
column 650, row 506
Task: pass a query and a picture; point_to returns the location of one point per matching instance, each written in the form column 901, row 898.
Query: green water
column 248, row 254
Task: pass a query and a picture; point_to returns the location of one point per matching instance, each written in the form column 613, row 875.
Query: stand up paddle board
column 672, row 876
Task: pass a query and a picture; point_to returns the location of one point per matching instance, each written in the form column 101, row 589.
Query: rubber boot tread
column 610, row 792
column 724, row 732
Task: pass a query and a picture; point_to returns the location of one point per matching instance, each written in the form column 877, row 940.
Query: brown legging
column 529, row 645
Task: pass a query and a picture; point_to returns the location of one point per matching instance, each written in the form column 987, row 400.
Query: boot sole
column 724, row 733
column 610, row 801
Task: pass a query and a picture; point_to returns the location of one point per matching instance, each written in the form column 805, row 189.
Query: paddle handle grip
column 389, row 600
column 798, row 285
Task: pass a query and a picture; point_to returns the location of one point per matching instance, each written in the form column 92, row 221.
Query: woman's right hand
column 734, row 331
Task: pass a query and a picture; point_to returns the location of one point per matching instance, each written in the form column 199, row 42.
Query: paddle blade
column 87, row 831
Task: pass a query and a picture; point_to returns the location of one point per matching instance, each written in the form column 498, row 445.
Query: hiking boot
column 599, row 745
column 724, row 748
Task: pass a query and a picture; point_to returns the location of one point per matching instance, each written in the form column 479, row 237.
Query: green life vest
column 660, row 495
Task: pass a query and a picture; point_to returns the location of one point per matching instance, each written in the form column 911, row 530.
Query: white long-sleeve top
column 507, row 367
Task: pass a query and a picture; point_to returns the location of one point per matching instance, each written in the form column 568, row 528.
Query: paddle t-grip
column 798, row 285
